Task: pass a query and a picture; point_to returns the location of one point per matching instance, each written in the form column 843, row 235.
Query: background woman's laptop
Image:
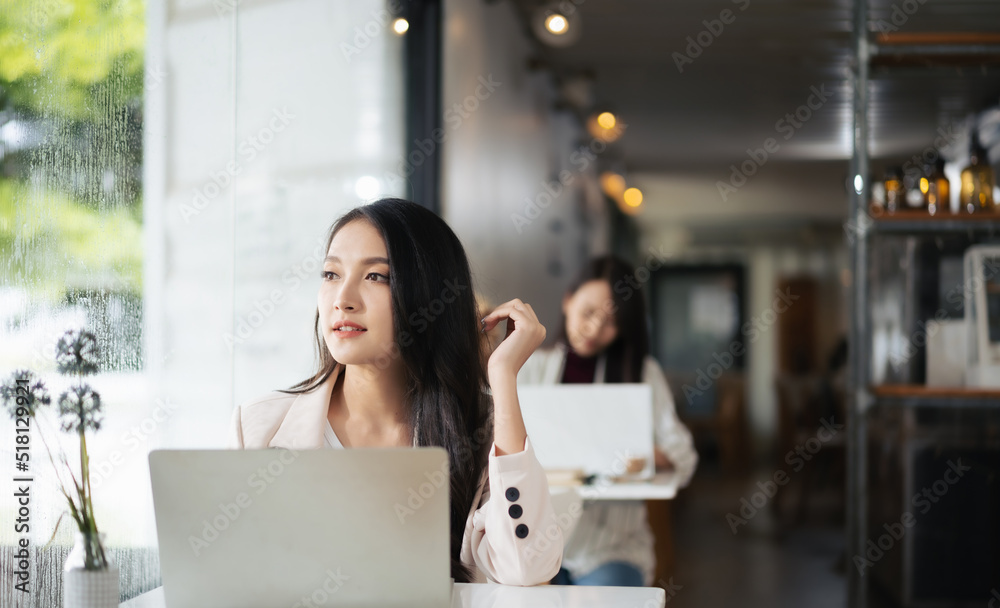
column 278, row 528
column 594, row 427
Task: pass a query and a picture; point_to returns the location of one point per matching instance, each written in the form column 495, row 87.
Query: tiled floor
column 763, row 564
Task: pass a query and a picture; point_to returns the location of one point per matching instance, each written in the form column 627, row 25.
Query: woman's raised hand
column 524, row 335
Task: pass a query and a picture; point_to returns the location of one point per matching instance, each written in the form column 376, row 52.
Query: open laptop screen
column 275, row 527
column 598, row 428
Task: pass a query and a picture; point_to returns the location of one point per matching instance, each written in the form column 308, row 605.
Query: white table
column 663, row 486
column 504, row 596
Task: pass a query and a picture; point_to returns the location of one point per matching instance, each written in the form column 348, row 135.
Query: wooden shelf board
column 903, row 391
column 971, row 38
column 920, row 221
column 924, row 216
column 930, row 49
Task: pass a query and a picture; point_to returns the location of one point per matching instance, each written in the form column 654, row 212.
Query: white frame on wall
column 983, row 368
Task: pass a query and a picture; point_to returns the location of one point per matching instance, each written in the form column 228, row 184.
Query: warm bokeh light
column 633, row 197
column 607, row 120
column 400, row 26
column 612, row 184
column 603, row 133
column 557, row 24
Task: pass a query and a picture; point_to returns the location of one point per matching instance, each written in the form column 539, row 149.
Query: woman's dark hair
column 437, row 335
column 625, row 356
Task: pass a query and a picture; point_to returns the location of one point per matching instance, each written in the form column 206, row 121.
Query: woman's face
column 590, row 319
column 355, row 302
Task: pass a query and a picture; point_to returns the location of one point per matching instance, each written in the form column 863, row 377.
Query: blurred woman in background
column 604, row 339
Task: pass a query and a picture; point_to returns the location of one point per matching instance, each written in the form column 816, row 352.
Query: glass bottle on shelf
column 911, row 188
column 877, row 204
column 977, row 181
column 936, row 188
column 894, row 192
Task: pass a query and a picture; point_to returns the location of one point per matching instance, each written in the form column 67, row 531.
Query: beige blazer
column 502, row 544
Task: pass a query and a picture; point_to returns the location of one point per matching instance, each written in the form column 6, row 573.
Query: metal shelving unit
column 889, row 51
column 921, row 223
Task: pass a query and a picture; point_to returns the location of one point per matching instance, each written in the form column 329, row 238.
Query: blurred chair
column 659, row 515
column 804, row 401
column 716, row 416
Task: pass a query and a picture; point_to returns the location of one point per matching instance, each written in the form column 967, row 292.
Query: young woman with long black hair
column 604, row 339
column 401, row 363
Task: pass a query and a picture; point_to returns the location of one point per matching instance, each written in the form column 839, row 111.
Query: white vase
column 90, row 578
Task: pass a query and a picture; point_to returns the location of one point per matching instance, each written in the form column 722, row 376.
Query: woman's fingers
column 524, row 334
column 498, row 314
column 514, row 309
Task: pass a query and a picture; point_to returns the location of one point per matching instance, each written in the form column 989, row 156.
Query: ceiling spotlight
column 606, row 120
column 556, row 24
column 400, row 26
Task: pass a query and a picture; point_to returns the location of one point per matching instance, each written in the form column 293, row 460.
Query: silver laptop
column 276, row 528
column 603, row 429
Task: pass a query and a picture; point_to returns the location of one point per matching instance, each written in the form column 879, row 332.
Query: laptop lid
column 595, row 427
column 274, row 527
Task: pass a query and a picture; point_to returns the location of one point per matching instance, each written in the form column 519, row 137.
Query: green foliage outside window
column 71, row 82
column 77, row 59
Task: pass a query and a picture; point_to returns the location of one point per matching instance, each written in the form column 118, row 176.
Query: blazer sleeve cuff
column 512, row 463
column 519, row 541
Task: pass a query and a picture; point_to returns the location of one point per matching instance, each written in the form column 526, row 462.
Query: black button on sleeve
column 521, row 531
column 512, row 494
column 515, row 511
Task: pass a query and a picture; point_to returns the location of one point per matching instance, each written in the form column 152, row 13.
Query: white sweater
column 618, row 530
